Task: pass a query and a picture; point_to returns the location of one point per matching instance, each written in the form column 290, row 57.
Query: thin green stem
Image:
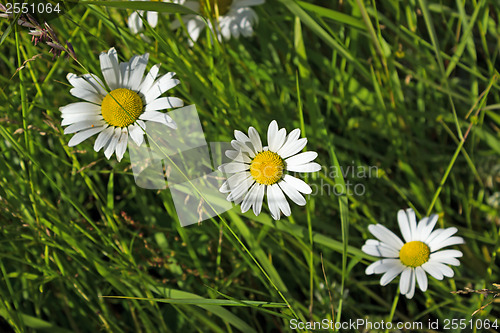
column 393, row 308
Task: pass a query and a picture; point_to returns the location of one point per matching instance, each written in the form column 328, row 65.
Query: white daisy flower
column 135, row 23
column 121, row 112
column 417, row 256
column 257, row 169
column 234, row 17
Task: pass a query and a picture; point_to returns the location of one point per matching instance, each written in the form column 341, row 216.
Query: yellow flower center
column 222, row 7
column 267, row 168
column 121, row 107
column 414, row 254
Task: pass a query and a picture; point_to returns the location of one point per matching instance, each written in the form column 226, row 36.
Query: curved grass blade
column 154, row 6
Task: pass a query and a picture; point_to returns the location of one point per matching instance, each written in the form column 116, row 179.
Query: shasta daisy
column 118, row 109
column 259, row 169
column 234, row 17
column 415, row 257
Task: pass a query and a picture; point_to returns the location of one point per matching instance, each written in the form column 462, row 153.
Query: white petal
column 309, row 167
column 249, row 198
column 103, row 138
column 298, row 184
column 96, row 82
column 149, row 79
column 421, row 278
column 227, row 28
column 72, row 119
column 163, row 84
column 372, row 242
column 404, row 225
column 301, row 158
column 135, row 22
column 434, row 246
column 292, row 193
column 447, row 271
column 224, row 188
column 420, row 228
column 239, row 199
column 438, row 267
column 293, row 148
column 280, row 199
column 391, row 274
column 428, row 224
column 238, row 156
column 448, row 261
column 110, row 68
column 433, row 235
column 255, row 139
column 152, row 19
column 87, row 95
column 290, row 140
column 376, row 265
column 412, row 220
column 233, row 167
column 194, row 27
column 386, row 236
column 248, row 18
column 236, row 179
column 81, row 115
column 277, row 140
column 80, row 107
column 238, row 145
column 138, row 66
column 273, row 204
column 440, row 235
column 121, row 146
column 259, row 198
column 125, row 71
column 411, row 288
column 382, row 266
column 240, row 136
column 83, row 135
column 164, row 103
column 380, row 250
column 158, row 117
column 83, row 125
column 240, row 190
column 137, row 133
column 446, row 254
column 87, row 82
column 110, row 149
column 405, row 280
column 272, row 131
column 433, row 269
column 232, row 154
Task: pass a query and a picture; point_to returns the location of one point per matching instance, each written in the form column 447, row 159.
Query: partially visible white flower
column 494, row 201
column 417, row 256
column 135, row 23
column 259, row 169
column 235, row 17
column 118, row 113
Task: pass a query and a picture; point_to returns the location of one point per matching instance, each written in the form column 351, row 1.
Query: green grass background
column 409, row 87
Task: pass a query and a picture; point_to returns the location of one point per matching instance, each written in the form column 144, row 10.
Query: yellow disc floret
column 222, row 6
column 414, row 254
column 267, row 168
column 121, row 107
